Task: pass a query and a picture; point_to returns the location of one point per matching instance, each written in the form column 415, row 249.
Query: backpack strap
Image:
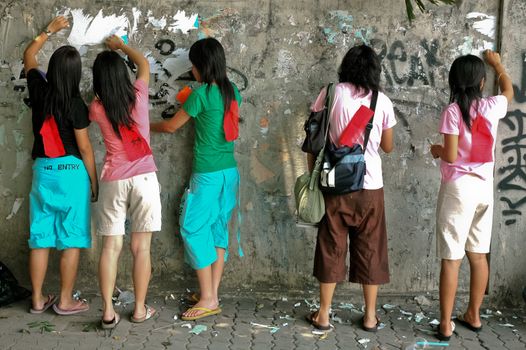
column 369, row 126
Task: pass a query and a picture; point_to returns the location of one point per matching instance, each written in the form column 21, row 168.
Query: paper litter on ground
column 273, row 329
column 198, row 329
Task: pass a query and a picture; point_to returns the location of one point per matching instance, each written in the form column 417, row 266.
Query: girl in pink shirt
column 129, row 186
column 465, row 200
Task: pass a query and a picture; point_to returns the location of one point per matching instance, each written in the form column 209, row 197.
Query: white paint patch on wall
column 484, row 24
column 87, row 30
column 136, row 15
column 158, row 23
column 22, row 160
column 183, row 23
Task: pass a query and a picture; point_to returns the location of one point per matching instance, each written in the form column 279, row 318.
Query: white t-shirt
column 347, row 100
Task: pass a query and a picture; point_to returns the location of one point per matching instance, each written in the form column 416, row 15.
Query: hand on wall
column 114, row 43
column 57, row 24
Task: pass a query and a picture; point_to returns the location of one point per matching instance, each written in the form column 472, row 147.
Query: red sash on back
column 481, row 141
column 231, row 122
column 134, row 143
column 53, row 146
column 357, row 125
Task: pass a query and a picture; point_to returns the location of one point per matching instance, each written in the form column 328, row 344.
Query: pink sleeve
column 389, row 115
column 498, row 106
column 142, row 88
column 93, row 111
column 320, row 101
column 450, row 120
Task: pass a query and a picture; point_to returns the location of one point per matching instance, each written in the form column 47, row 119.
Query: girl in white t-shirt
column 465, row 200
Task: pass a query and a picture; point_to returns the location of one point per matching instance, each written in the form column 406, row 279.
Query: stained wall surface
column 280, row 53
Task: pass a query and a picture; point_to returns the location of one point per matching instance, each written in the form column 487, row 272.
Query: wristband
column 48, row 32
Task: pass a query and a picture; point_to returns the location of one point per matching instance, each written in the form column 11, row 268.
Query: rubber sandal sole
column 207, row 312
column 51, row 300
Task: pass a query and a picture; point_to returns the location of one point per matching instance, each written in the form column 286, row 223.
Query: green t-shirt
column 211, row 151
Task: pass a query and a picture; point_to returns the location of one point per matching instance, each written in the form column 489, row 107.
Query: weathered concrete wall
column 280, row 54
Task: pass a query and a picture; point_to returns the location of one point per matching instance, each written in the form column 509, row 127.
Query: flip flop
column 111, row 324
column 51, row 300
column 206, row 312
column 371, row 329
column 83, row 307
column 443, row 337
column 310, row 319
column 462, row 321
column 150, row 311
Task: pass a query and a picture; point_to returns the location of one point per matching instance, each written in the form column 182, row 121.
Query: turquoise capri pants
column 59, row 204
column 206, row 208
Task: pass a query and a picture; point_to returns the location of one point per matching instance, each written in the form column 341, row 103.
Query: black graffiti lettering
column 431, row 57
column 165, row 47
column 417, row 72
column 381, row 50
column 397, row 53
column 514, row 174
column 520, row 93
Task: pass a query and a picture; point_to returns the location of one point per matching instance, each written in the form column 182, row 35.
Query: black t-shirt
column 78, row 117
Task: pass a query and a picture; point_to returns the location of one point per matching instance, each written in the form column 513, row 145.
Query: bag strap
column 369, row 126
column 329, row 99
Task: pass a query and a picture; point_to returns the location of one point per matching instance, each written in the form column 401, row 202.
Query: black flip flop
column 443, row 337
column 310, row 319
column 462, row 321
column 371, row 329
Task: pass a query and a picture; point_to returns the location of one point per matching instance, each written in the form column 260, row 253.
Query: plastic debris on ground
column 312, row 306
column 186, row 325
column 346, row 306
column 198, row 329
column 337, row 319
column 176, row 317
column 214, row 333
column 286, row 317
column 406, row 313
column 506, row 325
column 419, row 317
column 284, row 299
column 297, row 304
column 381, row 325
column 364, row 341
column 388, row 306
column 273, row 329
column 434, row 322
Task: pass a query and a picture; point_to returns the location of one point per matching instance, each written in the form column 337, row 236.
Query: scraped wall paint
column 279, row 54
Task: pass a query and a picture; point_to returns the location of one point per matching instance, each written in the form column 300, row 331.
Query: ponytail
column 465, row 79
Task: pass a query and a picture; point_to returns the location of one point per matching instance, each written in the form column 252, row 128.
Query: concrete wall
column 280, row 54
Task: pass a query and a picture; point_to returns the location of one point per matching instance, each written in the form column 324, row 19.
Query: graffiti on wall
column 512, row 183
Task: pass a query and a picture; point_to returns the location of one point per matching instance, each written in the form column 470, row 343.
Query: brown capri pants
column 359, row 216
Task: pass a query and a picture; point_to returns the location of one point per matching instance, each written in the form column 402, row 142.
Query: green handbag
column 310, row 205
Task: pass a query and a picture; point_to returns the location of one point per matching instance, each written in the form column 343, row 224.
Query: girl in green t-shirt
column 211, row 197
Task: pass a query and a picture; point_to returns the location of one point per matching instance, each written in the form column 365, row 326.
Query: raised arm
column 503, row 79
column 143, row 66
column 30, row 54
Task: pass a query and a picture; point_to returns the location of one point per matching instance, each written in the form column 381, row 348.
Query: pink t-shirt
column 116, row 164
column 347, row 100
column 492, row 108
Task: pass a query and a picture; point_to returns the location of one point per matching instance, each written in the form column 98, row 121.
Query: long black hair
column 63, row 77
column 112, row 85
column 465, row 77
column 361, row 67
column 208, row 57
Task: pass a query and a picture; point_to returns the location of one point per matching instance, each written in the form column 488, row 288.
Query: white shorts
column 137, row 197
column 464, row 217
